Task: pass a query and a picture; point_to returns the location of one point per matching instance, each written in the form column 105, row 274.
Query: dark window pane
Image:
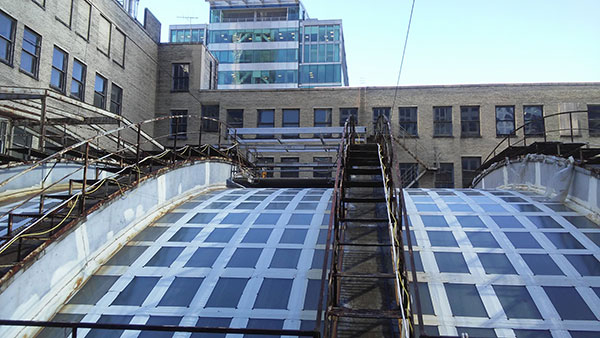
column 505, row 120
column 476, row 332
column 533, row 333
column 313, row 291
column 533, row 118
column 136, row 291
column 185, row 235
column 563, row 240
column 274, row 293
column 482, row 240
column 257, row 236
column 293, row 236
column 227, row 292
column 202, row 218
column 300, row 219
column 285, row 259
column 181, row 292
column 470, row 222
column 586, row 265
column 522, row 240
column 109, row 319
column 244, row 258
column 127, row 255
column 464, row 300
column 568, row 303
column 516, row 302
column 235, row 218
column 494, row 263
column 541, row 264
column 442, row 238
column 211, row 322
column 434, row 221
column 93, row 290
column 160, row 320
column 165, row 256
column 507, row 222
column 451, row 262
column 271, row 324
column 204, row 257
column 544, row 222
column 220, row 235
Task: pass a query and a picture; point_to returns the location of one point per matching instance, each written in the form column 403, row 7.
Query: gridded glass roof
column 224, row 258
column 504, row 264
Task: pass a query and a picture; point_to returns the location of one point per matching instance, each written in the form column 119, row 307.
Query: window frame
column 116, row 103
column 406, row 120
column 260, row 124
column 209, row 111
column 289, row 172
column 439, row 124
column 513, row 133
column 102, row 95
column 533, row 121
column 347, row 112
column 230, row 120
column 378, row 111
column 180, row 122
column 41, row 3
column 10, row 52
column 469, row 174
column 81, row 82
column 285, row 124
column 62, row 72
column 466, row 121
column 180, row 82
column 321, row 172
column 36, row 57
column 593, row 132
column 110, row 25
column 444, row 169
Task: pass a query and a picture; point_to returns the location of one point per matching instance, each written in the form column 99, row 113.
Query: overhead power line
column 412, row 9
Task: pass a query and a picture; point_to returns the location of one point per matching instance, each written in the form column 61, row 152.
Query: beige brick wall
column 137, row 77
column 446, row 149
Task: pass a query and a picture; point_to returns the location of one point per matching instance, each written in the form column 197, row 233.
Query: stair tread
column 364, row 313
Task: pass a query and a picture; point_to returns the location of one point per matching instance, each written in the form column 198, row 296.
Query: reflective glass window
column 100, row 87
column 465, row 300
column 516, row 302
column 594, row 120
column 568, row 303
column 495, row 263
column 469, row 121
column 533, row 118
column 505, row 120
column 58, row 75
column 78, row 80
column 30, row 52
column 451, row 262
column 442, row 121
column 7, row 38
column 542, row 264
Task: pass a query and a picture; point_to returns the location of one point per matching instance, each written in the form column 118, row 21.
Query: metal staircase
column 367, row 289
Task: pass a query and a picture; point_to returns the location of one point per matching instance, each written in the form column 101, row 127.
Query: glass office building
column 269, row 44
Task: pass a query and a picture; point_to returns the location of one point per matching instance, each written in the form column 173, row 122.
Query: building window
column 104, row 30
column 187, row 35
column 287, row 171
column 58, row 76
column 533, row 118
column 7, row 38
column 30, row 54
column 235, row 118
column 408, row 120
column 100, row 92
column 469, row 170
column 594, row 120
column 442, row 121
column 409, row 173
column 320, row 172
column 82, row 19
column 42, row 3
column 181, row 77
column 212, row 112
column 179, row 125
column 266, row 119
column 116, row 99
column 444, row 176
column 469, row 121
column 291, row 119
column 378, row 111
column 265, row 171
column 345, row 114
column 322, row 119
column 118, row 46
column 505, row 120
column 64, row 11
column 78, row 80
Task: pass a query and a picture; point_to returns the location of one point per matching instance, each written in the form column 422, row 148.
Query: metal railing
column 398, row 221
column 348, row 137
column 128, row 173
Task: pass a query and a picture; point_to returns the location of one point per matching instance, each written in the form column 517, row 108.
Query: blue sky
column 451, row 41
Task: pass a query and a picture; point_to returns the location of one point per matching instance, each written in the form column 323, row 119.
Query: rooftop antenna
column 190, row 18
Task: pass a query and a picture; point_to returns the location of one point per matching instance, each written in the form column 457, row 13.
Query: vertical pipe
column 10, row 225
column 200, row 134
column 85, row 170
column 42, row 124
column 74, row 334
column 219, row 132
column 571, row 125
column 137, row 152
column 175, row 139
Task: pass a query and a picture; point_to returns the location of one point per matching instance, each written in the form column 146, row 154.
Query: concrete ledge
column 40, row 288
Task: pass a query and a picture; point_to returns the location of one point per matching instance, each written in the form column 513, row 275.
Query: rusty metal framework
column 128, row 166
column 584, row 153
